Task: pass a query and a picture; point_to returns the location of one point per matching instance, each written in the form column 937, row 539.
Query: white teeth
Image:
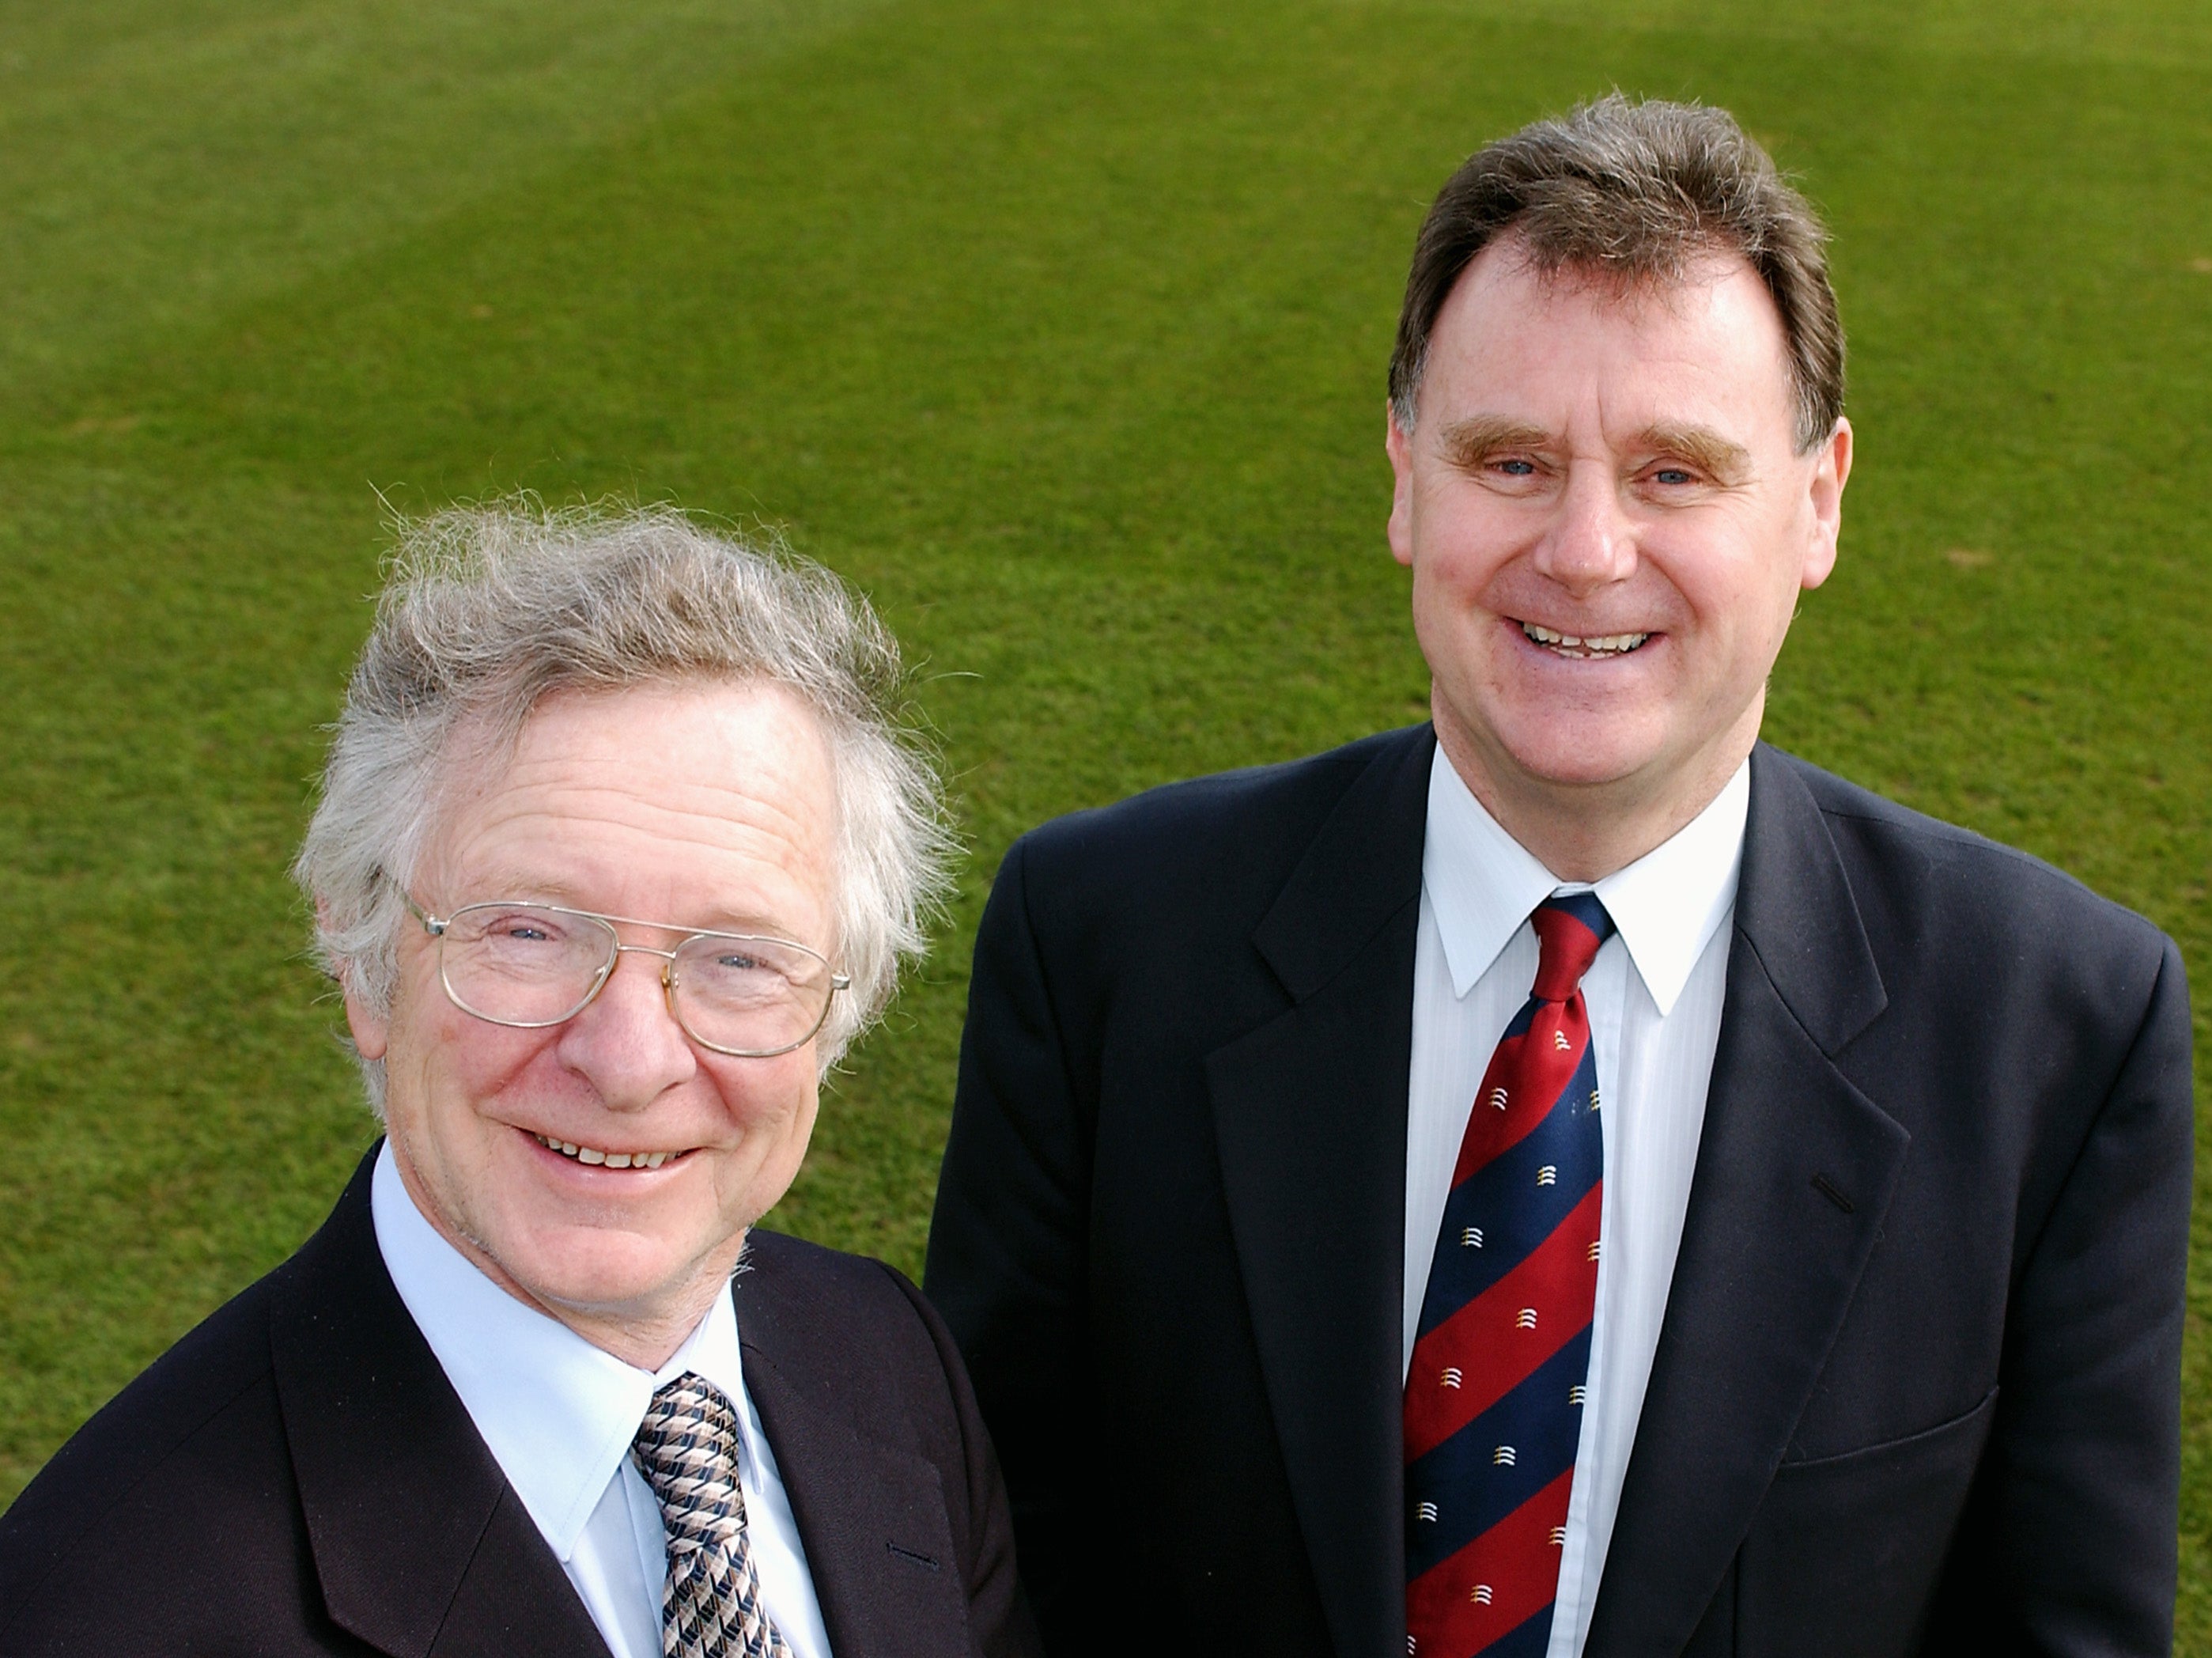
column 1569, row 644
column 592, row 1155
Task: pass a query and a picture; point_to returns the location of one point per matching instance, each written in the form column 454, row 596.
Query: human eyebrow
column 508, row 885
column 1468, row 444
column 1721, row 459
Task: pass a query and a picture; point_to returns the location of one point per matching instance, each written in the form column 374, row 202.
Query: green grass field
column 1061, row 330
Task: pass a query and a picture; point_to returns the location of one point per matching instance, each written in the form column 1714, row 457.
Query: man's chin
column 1562, row 756
column 571, row 1272
column 1569, row 766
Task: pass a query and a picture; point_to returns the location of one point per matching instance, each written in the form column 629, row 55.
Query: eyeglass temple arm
column 431, row 925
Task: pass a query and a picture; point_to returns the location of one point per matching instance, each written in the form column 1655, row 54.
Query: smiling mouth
column 1582, row 650
column 596, row 1158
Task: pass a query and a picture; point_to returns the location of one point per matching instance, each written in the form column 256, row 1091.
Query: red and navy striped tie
column 1494, row 1398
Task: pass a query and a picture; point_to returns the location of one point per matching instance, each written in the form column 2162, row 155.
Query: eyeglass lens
column 520, row 964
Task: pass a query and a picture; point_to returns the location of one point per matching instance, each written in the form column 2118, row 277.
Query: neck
column 1586, row 832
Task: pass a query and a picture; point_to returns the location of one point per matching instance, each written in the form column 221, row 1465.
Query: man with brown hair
column 1567, row 1178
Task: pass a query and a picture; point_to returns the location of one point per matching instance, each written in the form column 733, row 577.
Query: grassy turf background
column 1059, row 329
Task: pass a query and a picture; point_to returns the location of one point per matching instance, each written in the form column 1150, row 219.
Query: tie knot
column 687, row 1449
column 1569, row 926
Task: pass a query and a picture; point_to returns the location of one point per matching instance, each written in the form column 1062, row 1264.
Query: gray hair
column 486, row 610
column 1633, row 194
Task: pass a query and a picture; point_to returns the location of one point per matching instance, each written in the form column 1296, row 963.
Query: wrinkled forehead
column 707, row 776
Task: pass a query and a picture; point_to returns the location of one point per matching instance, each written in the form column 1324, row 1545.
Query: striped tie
column 710, row 1602
column 1494, row 1397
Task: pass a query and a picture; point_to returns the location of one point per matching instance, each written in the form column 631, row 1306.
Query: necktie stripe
column 1505, row 1209
column 1451, row 1617
column 1494, row 1396
column 1481, row 1491
column 1530, row 1639
column 1485, row 1341
column 710, row 1605
column 1531, row 1072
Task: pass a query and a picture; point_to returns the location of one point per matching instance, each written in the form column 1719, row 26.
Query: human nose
column 1590, row 542
column 627, row 1042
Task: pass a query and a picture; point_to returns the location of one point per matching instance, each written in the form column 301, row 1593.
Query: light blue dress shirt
column 559, row 1415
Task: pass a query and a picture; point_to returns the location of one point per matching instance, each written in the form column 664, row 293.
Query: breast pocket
column 1844, row 1554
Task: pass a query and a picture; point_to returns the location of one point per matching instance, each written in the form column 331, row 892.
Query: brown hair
column 1636, row 194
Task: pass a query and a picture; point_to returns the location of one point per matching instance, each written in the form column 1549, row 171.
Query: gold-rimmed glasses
column 529, row 965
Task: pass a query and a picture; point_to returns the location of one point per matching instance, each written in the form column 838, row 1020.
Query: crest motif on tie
column 1506, row 1318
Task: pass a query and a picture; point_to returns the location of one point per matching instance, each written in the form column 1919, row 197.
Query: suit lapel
column 1309, row 1118
column 871, row 1518
column 1794, row 1172
column 420, row 1546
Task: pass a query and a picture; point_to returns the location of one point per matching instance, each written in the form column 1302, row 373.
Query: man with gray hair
column 621, row 838
column 1568, row 1177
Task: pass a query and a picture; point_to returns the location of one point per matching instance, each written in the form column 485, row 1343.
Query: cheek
column 769, row 1111
column 456, row 1071
column 1734, row 588
column 1449, row 584
column 1478, row 566
column 770, row 1120
column 1461, row 531
column 772, row 1096
column 522, row 1062
column 1766, row 603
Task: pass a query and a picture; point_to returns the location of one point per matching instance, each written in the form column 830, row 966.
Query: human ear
column 1400, row 448
column 1831, row 469
column 372, row 1031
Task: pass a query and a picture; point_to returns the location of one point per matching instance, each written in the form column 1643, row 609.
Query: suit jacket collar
column 420, row 1544
column 872, row 1515
column 1309, row 1120
column 1794, row 1172
column 421, row 1547
column 1361, row 871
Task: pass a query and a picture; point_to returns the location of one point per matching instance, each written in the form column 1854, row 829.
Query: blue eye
column 1671, row 475
column 1518, row 468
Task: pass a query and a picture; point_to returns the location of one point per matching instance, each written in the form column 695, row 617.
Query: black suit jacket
column 296, row 1476
column 1917, row 1385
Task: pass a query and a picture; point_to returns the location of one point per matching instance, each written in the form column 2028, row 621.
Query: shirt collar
column 558, row 1413
column 1481, row 884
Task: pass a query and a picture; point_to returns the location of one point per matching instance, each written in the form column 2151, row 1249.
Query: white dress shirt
column 1654, row 995
column 559, row 1416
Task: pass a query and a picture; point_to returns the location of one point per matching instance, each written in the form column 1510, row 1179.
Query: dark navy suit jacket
column 298, row 1477
column 1918, row 1386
